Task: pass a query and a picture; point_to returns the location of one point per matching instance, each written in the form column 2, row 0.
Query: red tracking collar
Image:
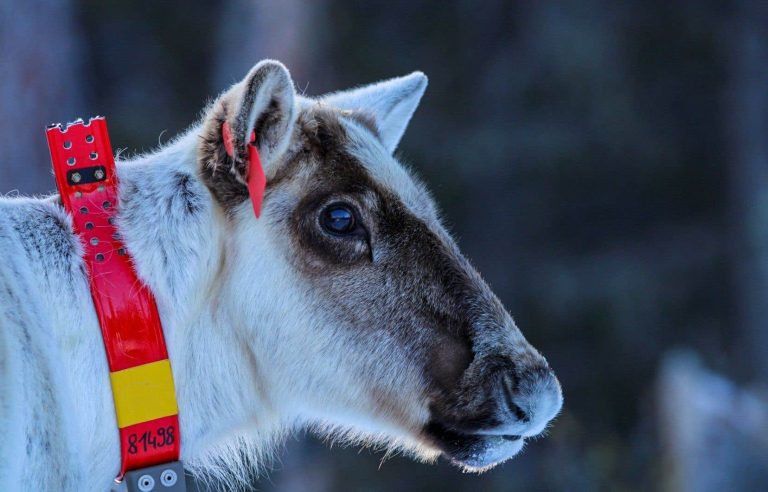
column 140, row 373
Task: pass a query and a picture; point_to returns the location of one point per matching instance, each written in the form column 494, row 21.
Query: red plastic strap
column 130, row 325
column 257, row 181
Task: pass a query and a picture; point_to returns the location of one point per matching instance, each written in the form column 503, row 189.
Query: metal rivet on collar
column 146, row 483
column 169, row 478
column 76, row 177
column 99, row 174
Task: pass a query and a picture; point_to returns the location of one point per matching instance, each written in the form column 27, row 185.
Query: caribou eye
column 338, row 219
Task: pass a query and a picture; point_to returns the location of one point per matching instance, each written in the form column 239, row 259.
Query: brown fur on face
column 402, row 275
column 397, row 279
column 223, row 175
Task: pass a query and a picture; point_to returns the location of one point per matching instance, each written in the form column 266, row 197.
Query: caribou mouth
column 475, row 452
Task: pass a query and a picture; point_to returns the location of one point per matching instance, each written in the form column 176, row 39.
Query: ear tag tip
column 256, row 180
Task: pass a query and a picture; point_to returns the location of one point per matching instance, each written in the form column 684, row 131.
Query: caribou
column 346, row 308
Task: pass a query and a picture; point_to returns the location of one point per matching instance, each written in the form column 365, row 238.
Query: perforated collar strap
column 140, row 372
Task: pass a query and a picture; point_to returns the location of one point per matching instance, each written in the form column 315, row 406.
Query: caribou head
column 358, row 312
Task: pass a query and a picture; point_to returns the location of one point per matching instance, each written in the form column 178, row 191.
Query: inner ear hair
column 223, row 175
column 264, row 102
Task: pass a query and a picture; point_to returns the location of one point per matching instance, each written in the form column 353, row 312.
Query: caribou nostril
column 520, row 414
column 508, row 387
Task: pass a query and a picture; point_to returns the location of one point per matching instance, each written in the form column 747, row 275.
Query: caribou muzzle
column 500, row 401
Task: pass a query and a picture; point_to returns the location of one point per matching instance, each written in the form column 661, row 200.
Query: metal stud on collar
column 168, row 477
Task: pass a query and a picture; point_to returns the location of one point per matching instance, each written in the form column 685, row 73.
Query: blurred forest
column 604, row 164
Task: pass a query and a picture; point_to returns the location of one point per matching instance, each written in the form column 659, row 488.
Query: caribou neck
column 179, row 241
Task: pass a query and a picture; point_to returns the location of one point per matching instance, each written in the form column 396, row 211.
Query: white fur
column 391, row 103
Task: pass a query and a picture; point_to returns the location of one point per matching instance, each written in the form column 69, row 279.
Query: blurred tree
column 40, row 83
column 291, row 31
column 148, row 65
column 713, row 433
column 747, row 119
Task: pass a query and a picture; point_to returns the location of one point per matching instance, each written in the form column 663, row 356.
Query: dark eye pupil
column 338, row 219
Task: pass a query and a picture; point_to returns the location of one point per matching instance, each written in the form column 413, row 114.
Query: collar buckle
column 168, row 477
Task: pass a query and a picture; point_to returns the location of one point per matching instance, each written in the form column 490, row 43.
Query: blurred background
column 604, row 164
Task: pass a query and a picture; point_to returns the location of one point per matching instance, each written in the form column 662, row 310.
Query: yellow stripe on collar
column 144, row 393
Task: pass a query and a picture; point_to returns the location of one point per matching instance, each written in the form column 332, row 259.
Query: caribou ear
column 390, row 103
column 261, row 105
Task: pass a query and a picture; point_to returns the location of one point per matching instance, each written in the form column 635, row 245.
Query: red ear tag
column 257, row 182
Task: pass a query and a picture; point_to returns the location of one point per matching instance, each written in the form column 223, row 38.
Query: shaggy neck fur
column 184, row 247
